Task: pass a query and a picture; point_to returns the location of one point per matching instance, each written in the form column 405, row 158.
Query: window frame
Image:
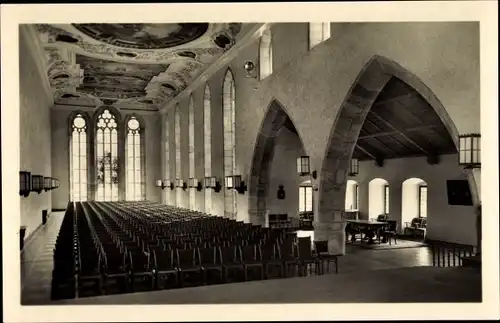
column 386, row 199
column 420, row 189
column 306, row 188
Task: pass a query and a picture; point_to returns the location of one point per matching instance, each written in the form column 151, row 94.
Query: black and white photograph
column 323, row 160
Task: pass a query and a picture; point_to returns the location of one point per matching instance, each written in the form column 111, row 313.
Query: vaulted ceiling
column 129, row 66
column 401, row 123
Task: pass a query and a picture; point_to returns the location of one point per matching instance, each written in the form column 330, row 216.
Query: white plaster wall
column 410, row 202
column 284, row 172
column 35, row 139
column 312, row 84
column 350, row 195
column 376, row 197
column 451, row 223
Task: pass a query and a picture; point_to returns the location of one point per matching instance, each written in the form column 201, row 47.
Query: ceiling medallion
column 144, row 36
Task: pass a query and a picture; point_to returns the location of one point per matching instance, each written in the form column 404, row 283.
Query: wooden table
column 370, row 227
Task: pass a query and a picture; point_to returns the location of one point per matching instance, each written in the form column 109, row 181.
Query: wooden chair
column 390, row 231
column 187, row 263
column 305, row 256
column 164, row 266
column 252, row 258
column 322, row 254
column 210, row 260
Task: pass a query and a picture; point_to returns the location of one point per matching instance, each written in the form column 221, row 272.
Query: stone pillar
column 396, row 202
column 364, row 205
column 334, row 233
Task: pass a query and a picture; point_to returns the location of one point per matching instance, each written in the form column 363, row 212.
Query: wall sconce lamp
column 304, row 167
column 213, row 183
column 235, row 182
column 56, row 183
column 161, row 183
column 250, row 69
column 47, row 184
column 354, row 167
column 193, row 183
column 37, row 183
column 469, row 147
column 180, row 184
column 168, row 183
column 24, row 183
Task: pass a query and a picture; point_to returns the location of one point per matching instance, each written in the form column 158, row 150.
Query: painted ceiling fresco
column 116, row 80
column 144, row 36
column 129, row 66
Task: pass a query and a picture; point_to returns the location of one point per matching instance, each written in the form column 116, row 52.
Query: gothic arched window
column 107, row 157
column 266, row 55
column 192, row 192
column 135, row 187
column 166, row 138
column 318, row 32
column 78, row 159
column 228, row 103
column 207, row 125
column 178, row 173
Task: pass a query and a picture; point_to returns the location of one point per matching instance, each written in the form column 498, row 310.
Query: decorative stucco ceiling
column 129, row 66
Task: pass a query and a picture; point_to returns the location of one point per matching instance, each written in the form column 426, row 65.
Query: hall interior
column 222, row 163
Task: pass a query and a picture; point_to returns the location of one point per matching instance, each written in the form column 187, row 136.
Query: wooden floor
column 365, row 275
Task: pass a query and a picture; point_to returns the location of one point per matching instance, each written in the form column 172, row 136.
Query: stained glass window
column 78, row 159
column 208, row 146
column 107, row 157
column 229, row 142
column 133, row 166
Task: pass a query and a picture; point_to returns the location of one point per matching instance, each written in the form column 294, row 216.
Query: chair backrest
column 186, row 257
column 208, row 256
column 163, row 259
column 229, row 254
column 304, row 247
column 248, row 253
column 392, row 225
column 382, row 217
column 321, row 246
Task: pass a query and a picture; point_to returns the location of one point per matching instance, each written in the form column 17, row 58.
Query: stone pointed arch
column 345, row 131
column 260, row 170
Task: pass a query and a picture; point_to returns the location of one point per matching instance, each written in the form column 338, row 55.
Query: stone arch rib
column 262, row 159
column 347, row 126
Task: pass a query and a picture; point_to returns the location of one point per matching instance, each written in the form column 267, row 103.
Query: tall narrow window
column 318, row 32
column 133, row 166
column 355, row 202
column 178, row 173
column 78, row 159
column 229, row 142
column 166, row 137
column 207, row 125
column 192, row 192
column 107, row 157
column 305, row 199
column 266, row 55
column 386, row 199
column 422, row 201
